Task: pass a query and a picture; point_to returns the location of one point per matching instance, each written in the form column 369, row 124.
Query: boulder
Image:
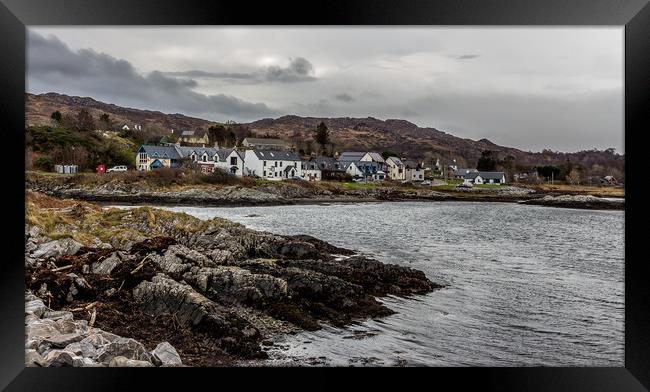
column 56, row 249
column 124, row 347
column 35, row 307
column 58, row 315
column 83, row 348
column 106, row 266
column 63, row 340
column 59, row 358
column 166, row 355
column 126, row 362
column 33, row 358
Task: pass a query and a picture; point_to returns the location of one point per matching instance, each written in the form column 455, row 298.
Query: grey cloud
column 344, row 97
column 298, row 70
column 467, row 56
column 53, row 66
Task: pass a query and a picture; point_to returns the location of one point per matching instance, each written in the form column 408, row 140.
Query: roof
column 349, row 156
column 376, row 157
column 161, row 151
column 264, row 141
column 276, row 155
column 187, row 151
column 287, row 168
column 397, row 161
column 470, row 175
column 462, row 172
column 412, row 164
column 491, row 175
column 325, row 163
column 197, row 133
column 310, row 165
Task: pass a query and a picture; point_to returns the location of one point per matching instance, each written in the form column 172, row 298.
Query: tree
column 388, row 153
column 105, row 121
column 487, row 161
column 573, row 177
column 56, row 116
column 322, row 135
column 85, row 121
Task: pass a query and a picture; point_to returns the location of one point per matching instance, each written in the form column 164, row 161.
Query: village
column 274, row 159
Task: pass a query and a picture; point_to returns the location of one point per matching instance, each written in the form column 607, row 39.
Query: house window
column 264, row 163
column 420, row 176
column 276, row 163
column 264, row 173
column 280, row 163
column 233, row 160
column 276, row 174
column 205, row 158
column 143, row 157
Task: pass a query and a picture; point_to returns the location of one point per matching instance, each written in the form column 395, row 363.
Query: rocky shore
column 283, row 193
column 577, row 201
column 146, row 287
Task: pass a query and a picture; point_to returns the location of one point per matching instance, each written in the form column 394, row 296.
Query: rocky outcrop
column 211, row 288
column 54, row 341
column 578, row 201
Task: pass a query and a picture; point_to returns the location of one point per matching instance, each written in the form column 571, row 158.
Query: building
column 368, row 171
column 198, row 137
column 311, row 171
column 206, row 158
column 413, row 171
column 136, row 127
column 272, row 164
column 350, row 156
column 461, row 173
column 395, row 168
column 264, row 144
column 478, row 178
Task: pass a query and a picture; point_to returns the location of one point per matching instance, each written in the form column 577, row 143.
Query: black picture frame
column 633, row 14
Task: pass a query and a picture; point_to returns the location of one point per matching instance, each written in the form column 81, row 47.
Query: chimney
column 216, row 145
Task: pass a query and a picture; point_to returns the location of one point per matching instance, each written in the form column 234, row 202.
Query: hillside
column 38, row 109
column 399, row 136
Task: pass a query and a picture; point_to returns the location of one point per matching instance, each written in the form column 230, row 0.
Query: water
column 528, row 285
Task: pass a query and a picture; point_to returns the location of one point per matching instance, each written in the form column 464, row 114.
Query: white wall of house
column 312, row 174
column 270, row 169
column 395, row 171
column 233, row 164
column 414, row 174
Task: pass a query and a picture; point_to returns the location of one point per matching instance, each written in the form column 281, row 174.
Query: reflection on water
column 528, row 285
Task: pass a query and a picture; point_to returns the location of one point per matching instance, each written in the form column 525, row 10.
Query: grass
column 359, row 185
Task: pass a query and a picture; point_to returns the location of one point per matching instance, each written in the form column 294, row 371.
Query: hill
column 397, row 136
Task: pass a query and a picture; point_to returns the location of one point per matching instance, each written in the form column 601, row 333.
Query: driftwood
column 139, row 267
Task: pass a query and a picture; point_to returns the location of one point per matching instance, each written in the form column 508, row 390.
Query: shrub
column 44, row 163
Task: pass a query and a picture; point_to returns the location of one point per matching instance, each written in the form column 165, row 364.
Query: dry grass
column 606, row 191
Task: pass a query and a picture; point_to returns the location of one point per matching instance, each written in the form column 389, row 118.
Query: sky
column 526, row 87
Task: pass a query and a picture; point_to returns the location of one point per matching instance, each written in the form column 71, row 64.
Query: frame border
column 634, row 14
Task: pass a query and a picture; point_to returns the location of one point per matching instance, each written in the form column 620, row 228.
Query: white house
column 478, row 178
column 311, row 171
column 125, row 127
column 207, row 158
column 395, row 168
column 272, row 164
column 374, row 157
column 413, row 171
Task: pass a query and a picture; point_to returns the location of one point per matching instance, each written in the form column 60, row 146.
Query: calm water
column 528, row 285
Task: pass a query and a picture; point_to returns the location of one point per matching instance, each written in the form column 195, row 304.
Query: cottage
column 478, row 178
column 311, row 171
column 272, row 164
column 395, row 168
column 413, row 171
column 264, row 144
column 368, row 171
column 461, row 173
column 198, row 137
column 206, row 158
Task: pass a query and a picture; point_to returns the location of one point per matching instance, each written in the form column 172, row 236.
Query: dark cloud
column 52, row 66
column 344, row 97
column 467, row 56
column 298, row 70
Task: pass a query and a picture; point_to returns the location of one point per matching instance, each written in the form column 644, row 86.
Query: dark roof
column 161, row 151
column 325, row 163
column 491, row 175
column 276, row 155
column 349, row 156
column 412, row 165
column 310, row 165
column 197, row 133
column 462, row 172
column 287, row 168
column 470, row 175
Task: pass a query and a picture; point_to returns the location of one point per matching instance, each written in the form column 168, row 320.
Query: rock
column 59, row 358
column 58, row 315
column 33, row 358
column 63, row 340
column 126, row 362
column 125, row 347
column 56, row 248
column 106, row 266
column 83, row 348
column 35, row 307
column 237, row 284
column 166, row 355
